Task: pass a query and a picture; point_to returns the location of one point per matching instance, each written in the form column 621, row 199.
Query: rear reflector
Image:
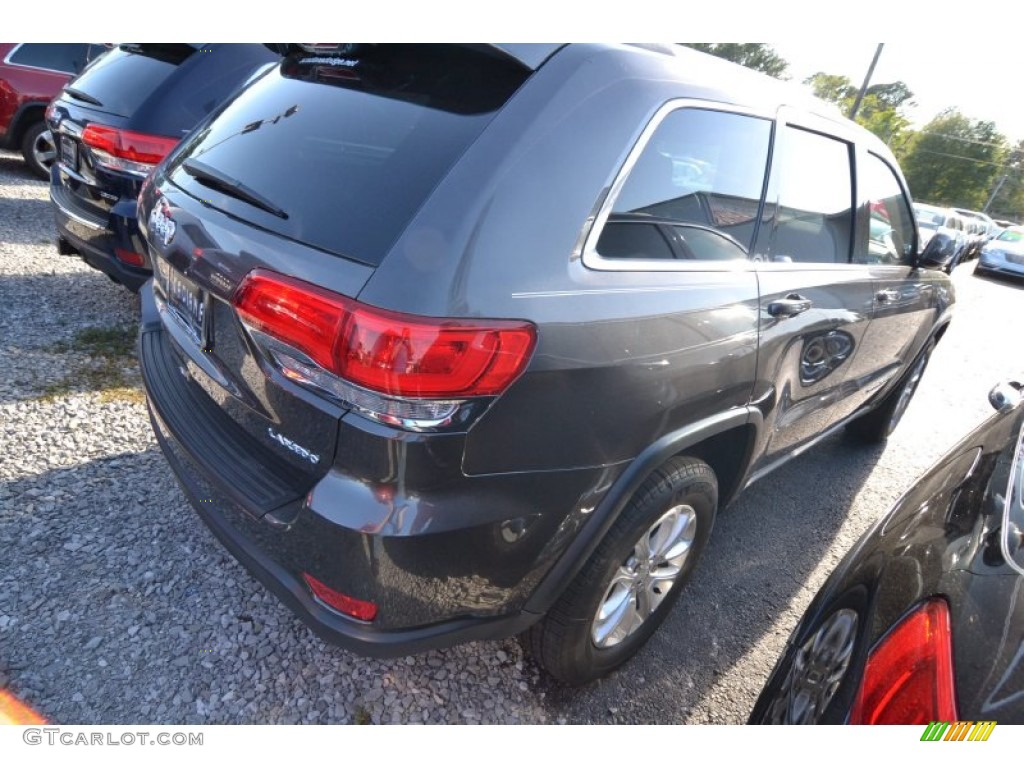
column 126, row 150
column 129, row 257
column 908, row 679
column 350, row 606
column 386, row 352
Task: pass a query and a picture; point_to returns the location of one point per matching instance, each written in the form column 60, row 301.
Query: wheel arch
column 724, row 441
column 22, row 119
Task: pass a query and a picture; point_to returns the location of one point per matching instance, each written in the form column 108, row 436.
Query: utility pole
column 992, row 197
column 867, row 81
column 1011, row 162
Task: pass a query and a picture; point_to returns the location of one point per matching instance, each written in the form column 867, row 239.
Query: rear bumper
column 447, row 560
column 94, row 239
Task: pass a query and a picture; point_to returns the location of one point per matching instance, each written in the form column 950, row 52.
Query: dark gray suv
column 457, row 342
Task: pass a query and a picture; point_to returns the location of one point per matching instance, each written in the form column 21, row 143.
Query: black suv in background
column 114, row 123
column 452, row 342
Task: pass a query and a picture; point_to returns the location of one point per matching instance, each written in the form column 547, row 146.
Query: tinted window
column 350, row 147
column 62, row 57
column 701, row 174
column 634, row 240
column 127, row 76
column 890, row 227
column 813, row 217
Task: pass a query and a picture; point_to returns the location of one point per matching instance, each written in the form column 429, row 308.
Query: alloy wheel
column 645, row 577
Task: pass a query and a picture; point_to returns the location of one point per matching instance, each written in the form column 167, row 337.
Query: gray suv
column 458, row 342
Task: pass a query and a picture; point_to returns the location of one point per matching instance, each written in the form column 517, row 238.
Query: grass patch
column 109, row 366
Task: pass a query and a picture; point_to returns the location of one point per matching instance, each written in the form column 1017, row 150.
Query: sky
column 984, row 83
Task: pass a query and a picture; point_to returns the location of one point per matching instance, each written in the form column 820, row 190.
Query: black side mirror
column 938, row 253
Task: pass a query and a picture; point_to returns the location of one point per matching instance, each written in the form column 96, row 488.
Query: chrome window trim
column 593, row 260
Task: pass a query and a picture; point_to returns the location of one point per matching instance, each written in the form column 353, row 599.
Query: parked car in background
column 1004, row 255
column 921, row 621
column 31, row 74
column 934, row 220
column 984, row 229
column 451, row 346
column 114, row 123
column 1004, row 223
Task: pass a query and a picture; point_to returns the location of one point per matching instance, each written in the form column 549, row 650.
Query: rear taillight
column 402, row 367
column 128, row 151
column 908, row 679
column 350, row 606
column 129, row 257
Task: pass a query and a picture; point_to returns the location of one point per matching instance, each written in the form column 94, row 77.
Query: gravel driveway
column 117, row 605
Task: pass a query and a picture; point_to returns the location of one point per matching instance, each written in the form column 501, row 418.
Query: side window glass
column 889, row 238
column 694, row 192
column 61, row 57
column 812, row 221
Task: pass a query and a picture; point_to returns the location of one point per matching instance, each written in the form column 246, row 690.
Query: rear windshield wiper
column 214, row 179
column 82, row 96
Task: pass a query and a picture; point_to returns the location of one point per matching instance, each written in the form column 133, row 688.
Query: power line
column 959, row 157
column 971, row 141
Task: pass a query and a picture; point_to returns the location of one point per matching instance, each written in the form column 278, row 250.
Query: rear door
column 815, row 301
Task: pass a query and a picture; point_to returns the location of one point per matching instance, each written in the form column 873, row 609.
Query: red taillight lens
column 129, row 257
column 908, row 679
column 387, row 352
column 138, row 148
column 350, row 606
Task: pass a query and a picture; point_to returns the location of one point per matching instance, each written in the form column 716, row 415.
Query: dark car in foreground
column 31, row 75
column 114, row 123
column 921, row 621
column 452, row 342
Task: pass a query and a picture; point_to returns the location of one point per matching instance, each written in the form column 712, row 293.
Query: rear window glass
column 349, row 146
column 127, row 76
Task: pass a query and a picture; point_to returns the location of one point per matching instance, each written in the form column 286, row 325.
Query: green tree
column 759, row 56
column 955, row 160
column 881, row 111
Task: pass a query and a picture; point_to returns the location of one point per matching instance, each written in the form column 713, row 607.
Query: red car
column 31, row 74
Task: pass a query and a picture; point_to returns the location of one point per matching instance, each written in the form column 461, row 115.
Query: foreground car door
column 815, row 303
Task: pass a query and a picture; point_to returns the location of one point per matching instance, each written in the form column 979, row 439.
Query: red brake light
column 908, row 679
column 129, row 257
column 350, row 606
column 136, row 148
column 387, row 352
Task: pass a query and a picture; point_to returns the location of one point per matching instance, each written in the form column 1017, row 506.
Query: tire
column 878, row 424
column 575, row 643
column 38, row 149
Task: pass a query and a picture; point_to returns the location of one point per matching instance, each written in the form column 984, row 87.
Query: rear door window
column 698, row 181
column 59, row 57
column 350, row 146
column 812, row 195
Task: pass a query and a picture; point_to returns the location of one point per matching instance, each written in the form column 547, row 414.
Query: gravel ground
column 117, row 605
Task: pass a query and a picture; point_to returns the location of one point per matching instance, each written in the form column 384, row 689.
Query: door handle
column 887, row 295
column 792, row 305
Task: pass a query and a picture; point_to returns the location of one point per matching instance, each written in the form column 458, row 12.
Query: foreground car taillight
column 908, row 679
column 350, row 606
column 129, row 151
column 398, row 368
